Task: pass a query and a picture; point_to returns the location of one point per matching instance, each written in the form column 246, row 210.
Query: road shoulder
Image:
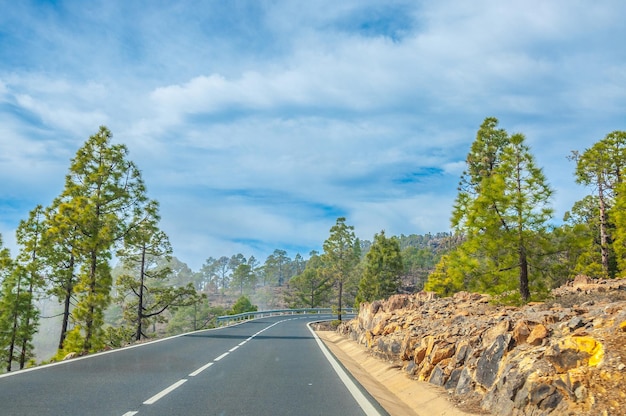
column 396, row 392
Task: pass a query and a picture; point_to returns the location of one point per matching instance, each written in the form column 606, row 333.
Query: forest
column 96, row 271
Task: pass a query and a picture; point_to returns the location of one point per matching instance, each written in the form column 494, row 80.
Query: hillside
column 565, row 356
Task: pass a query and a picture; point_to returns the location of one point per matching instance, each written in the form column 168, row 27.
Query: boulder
column 488, row 365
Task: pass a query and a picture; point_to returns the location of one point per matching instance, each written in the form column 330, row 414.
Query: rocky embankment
column 562, row 357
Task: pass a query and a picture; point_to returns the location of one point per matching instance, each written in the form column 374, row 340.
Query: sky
column 256, row 124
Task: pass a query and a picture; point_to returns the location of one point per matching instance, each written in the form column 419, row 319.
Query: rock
column 437, row 376
column 488, row 364
column 573, row 352
column 545, row 396
column 581, row 281
column 453, row 380
column 495, row 331
column 396, row 302
column 521, row 331
column 537, row 335
column 440, row 352
column 551, row 358
column 465, row 383
column 575, row 322
column 425, row 348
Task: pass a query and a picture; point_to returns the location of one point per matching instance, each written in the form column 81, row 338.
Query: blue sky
column 257, row 123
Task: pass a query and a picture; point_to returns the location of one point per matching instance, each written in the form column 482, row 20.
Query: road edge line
column 356, row 392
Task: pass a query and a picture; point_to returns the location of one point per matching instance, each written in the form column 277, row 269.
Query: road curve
column 269, row 366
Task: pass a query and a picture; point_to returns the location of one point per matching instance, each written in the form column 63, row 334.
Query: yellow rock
column 585, row 344
column 622, row 326
column 537, row 335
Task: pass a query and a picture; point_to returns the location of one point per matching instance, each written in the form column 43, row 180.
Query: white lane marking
column 201, row 369
column 162, row 393
column 179, row 383
column 360, row 398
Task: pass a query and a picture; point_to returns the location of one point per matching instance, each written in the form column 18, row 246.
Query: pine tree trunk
column 339, row 303
column 140, row 301
column 523, row 275
column 604, row 240
column 91, row 307
column 67, row 303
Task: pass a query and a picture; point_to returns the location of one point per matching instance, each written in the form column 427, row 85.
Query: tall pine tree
column 601, row 167
column 105, row 192
column 503, row 210
column 341, row 255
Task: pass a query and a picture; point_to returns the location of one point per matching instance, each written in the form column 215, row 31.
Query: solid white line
column 162, row 393
column 201, row 369
column 233, row 348
column 242, row 342
column 132, row 413
column 221, row 356
column 360, row 398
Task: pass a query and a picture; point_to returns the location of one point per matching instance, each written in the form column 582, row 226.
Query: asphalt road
column 270, row 366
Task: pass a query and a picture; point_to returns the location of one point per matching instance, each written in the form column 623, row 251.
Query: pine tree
column 22, row 277
column 30, row 267
column 10, row 302
column 62, row 256
column 311, row 288
column 341, row 255
column 601, row 167
column 502, row 209
column 105, row 191
column 383, row 270
column 142, row 289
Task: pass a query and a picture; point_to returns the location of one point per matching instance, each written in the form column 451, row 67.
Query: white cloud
column 263, row 129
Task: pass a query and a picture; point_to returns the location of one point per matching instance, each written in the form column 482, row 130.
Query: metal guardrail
column 228, row 319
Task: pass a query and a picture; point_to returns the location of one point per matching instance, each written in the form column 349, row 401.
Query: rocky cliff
column 566, row 356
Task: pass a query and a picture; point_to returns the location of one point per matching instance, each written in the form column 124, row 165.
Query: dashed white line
column 162, row 393
column 179, row 383
column 201, row 369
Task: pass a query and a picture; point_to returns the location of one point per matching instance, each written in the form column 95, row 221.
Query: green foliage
column 383, row 270
column 449, row 275
column 144, row 291
column 242, row 305
column 341, row 255
column 103, row 193
column 19, row 290
column 619, row 235
column 601, row 167
column 312, row 287
column 243, row 277
column 20, row 280
column 502, row 209
column 277, row 267
column 194, row 317
column 116, row 337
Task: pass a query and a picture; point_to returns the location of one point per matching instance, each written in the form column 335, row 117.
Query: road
column 270, row 366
